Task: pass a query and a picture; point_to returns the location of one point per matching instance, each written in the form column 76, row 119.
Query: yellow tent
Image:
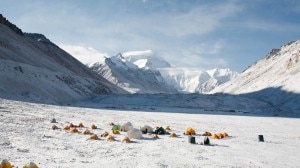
column 31, row 165
column 172, row 135
column 115, row 131
column 168, row 128
column 5, row 164
column 190, row 131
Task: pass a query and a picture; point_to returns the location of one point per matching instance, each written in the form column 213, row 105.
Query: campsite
column 27, row 136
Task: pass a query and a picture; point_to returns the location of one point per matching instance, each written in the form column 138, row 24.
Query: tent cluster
column 216, row 135
column 6, row 164
column 131, row 132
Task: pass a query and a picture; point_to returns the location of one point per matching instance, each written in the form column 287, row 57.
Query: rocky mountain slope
column 275, row 78
column 35, row 69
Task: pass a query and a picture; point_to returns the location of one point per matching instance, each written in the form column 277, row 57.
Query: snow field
column 25, row 136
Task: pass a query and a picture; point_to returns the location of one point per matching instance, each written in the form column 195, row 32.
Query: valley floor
column 25, row 136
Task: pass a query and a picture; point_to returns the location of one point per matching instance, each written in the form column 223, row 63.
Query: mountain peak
column 146, row 59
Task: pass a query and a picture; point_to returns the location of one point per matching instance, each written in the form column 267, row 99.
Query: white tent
column 126, row 127
column 134, row 134
column 146, row 129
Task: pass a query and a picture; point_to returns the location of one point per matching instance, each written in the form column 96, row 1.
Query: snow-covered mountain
column 195, row 81
column 146, row 59
column 275, row 78
column 33, row 68
column 182, row 79
column 145, row 72
column 130, row 77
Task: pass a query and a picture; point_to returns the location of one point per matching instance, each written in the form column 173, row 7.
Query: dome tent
column 134, row 134
column 160, row 131
column 5, row 164
column 146, row 129
column 190, row 131
column 30, row 165
column 126, row 127
column 116, row 127
column 125, row 140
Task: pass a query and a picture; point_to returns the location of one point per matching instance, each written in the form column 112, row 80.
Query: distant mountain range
column 145, row 72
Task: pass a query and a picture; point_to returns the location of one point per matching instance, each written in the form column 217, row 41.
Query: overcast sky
column 200, row 34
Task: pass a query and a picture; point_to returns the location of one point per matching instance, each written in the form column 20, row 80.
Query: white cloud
column 165, row 33
column 86, row 55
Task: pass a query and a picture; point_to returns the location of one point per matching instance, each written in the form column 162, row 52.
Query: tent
column 115, row 132
column 126, row 127
column 66, row 127
column 71, row 125
column 54, row 127
column 109, row 138
column 93, row 137
column 134, row 134
column 168, row 128
column 30, row 165
column 80, row 125
column 172, row 135
column 160, row 131
column 93, row 126
column 5, row 164
column 220, row 135
column 190, row 131
column 53, row 120
column 73, row 130
column 116, row 127
column 86, row 132
column 146, row 129
column 125, row 139
column 207, row 134
column 104, row 134
column 215, row 136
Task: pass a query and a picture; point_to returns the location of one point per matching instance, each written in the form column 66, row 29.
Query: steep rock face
column 128, row 76
column 275, row 78
column 33, row 68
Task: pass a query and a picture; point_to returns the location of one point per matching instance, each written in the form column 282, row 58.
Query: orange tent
column 5, row 164
column 109, row 138
column 93, row 126
column 80, row 125
column 66, row 127
column 207, row 134
column 93, row 137
column 73, row 130
column 86, row 132
column 190, row 131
